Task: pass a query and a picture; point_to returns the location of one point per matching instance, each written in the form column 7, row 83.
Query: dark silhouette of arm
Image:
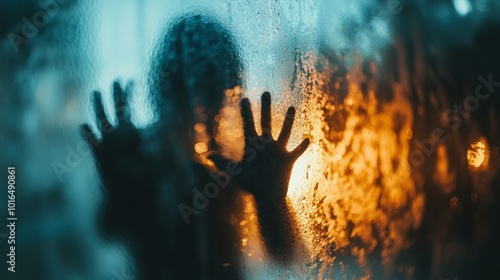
column 119, row 161
column 278, row 229
column 130, row 180
column 266, row 170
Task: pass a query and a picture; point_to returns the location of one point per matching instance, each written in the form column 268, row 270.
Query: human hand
column 119, row 160
column 266, row 165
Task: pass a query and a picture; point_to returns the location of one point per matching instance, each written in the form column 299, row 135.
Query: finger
column 286, row 130
column 265, row 116
column 121, row 103
column 99, row 110
column 248, row 124
column 88, row 135
column 301, row 148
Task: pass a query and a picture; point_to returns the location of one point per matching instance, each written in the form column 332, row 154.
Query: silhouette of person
column 205, row 65
column 197, row 60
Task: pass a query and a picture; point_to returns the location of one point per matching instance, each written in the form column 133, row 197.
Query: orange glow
column 200, row 128
column 251, row 246
column 202, row 138
column 444, row 178
column 359, row 175
column 201, row 148
column 354, row 181
column 478, row 154
column 409, row 134
column 230, row 125
column 455, row 202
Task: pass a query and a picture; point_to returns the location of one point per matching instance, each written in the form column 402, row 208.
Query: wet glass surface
column 399, row 100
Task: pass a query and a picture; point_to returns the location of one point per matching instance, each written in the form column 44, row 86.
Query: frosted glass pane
column 397, row 98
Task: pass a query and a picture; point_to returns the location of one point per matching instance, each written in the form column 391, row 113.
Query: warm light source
column 201, row 148
column 352, row 189
column 478, row 154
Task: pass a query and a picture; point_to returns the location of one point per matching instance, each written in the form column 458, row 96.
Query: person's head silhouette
column 198, row 60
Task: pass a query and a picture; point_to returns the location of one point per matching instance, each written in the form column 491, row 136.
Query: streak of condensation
column 356, row 187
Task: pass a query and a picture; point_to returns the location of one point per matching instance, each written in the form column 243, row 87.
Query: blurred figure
column 148, row 173
column 197, row 61
column 193, row 74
